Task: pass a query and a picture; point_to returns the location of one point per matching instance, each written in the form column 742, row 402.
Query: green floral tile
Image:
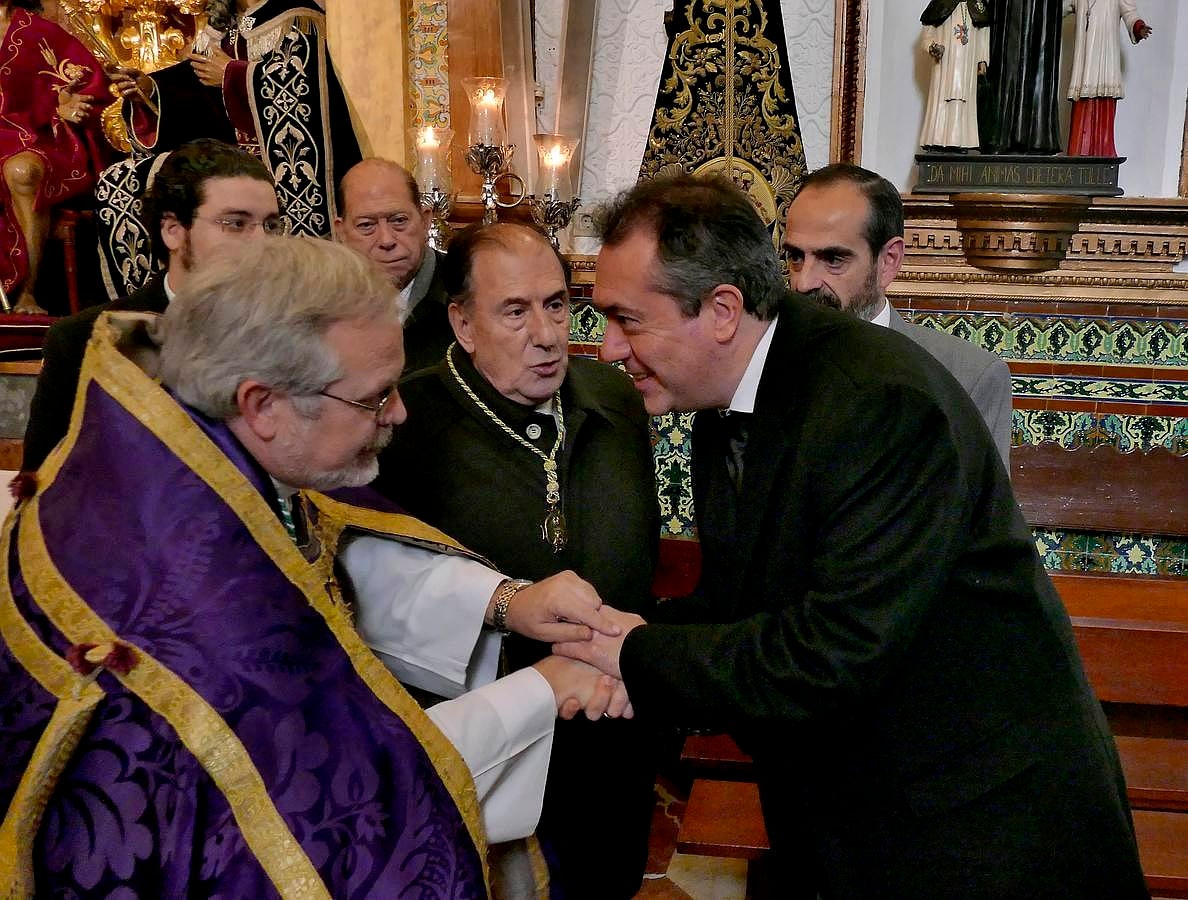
column 1082, row 429
column 586, row 324
column 1125, row 390
column 1028, row 338
column 1123, row 554
column 671, row 446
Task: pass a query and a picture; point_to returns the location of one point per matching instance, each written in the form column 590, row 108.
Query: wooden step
column 1163, row 848
column 723, row 818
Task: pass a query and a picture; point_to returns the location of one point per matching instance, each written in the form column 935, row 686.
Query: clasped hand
column 566, row 611
column 210, row 67
column 562, row 607
column 73, row 106
column 578, row 687
column 131, row 84
column 602, row 648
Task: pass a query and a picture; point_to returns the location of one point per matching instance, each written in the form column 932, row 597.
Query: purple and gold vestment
column 255, row 747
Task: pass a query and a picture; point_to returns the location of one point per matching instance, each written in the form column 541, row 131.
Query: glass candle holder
column 555, row 152
column 486, row 95
column 432, row 169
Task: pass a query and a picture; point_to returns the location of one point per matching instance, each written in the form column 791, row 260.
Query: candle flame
column 555, row 158
column 428, row 138
column 488, row 98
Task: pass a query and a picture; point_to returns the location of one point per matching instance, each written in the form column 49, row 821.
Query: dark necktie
column 735, row 427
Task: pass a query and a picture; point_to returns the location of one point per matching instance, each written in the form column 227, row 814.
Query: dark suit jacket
column 427, row 332
column 65, row 346
column 878, row 631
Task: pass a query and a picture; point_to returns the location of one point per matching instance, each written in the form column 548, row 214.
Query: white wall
column 1149, row 125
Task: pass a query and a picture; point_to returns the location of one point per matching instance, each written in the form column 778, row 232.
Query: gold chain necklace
column 552, row 529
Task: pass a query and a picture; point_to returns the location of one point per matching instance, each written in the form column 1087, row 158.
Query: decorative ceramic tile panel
column 1125, row 433
column 1039, row 338
column 1119, row 390
column 429, row 75
column 1123, row 554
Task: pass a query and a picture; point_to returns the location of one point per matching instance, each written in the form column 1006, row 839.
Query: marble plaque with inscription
column 951, row 173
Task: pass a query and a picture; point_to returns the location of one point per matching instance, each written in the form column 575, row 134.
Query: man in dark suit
column 380, row 215
column 844, row 242
column 541, row 463
column 873, row 623
column 206, row 196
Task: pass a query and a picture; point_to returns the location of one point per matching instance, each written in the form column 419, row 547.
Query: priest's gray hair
column 261, row 312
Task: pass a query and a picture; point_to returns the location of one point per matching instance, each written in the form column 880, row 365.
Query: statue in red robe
column 51, row 144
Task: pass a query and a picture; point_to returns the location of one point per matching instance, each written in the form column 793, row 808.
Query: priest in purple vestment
column 187, row 708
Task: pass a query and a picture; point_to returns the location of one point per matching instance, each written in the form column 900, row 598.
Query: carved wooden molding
column 849, row 84
column 1066, row 248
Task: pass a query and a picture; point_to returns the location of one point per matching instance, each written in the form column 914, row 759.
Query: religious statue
column 258, row 76
column 50, row 141
column 956, row 37
column 1024, row 74
column 1096, row 83
column 141, row 34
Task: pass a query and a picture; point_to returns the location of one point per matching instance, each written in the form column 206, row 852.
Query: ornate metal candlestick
column 441, row 204
column 435, row 180
column 491, row 162
column 554, row 208
column 553, row 215
column 488, row 153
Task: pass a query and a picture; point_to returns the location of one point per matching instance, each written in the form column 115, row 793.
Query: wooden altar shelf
column 1009, row 239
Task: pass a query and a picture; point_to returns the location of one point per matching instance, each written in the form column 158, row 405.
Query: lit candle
column 427, row 138
column 554, row 151
column 486, row 110
column 432, row 169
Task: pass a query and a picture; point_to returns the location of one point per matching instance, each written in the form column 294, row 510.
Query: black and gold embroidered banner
column 725, row 102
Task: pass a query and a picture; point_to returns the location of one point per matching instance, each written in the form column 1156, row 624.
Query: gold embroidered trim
column 398, row 525
column 77, row 700
column 124, row 381
column 540, row 867
column 203, row 731
column 262, row 41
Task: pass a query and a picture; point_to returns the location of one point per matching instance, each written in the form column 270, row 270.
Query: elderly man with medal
column 541, row 463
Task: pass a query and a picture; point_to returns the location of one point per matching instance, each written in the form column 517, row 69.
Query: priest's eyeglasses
column 376, row 408
column 273, row 225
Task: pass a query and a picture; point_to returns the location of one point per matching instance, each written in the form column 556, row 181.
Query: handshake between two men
column 587, row 635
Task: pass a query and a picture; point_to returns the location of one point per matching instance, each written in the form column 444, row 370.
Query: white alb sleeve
column 422, row 612
column 504, row 731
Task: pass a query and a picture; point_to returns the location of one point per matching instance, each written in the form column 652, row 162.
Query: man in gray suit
column 844, row 242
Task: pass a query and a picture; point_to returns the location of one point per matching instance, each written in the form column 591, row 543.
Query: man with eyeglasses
column 189, row 693
column 206, row 197
column 380, row 215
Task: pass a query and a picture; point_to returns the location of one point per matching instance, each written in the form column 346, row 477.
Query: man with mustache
column 542, row 463
column 190, row 709
column 844, row 242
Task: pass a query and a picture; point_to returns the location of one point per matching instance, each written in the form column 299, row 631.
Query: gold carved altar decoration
column 138, row 34
column 725, row 102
